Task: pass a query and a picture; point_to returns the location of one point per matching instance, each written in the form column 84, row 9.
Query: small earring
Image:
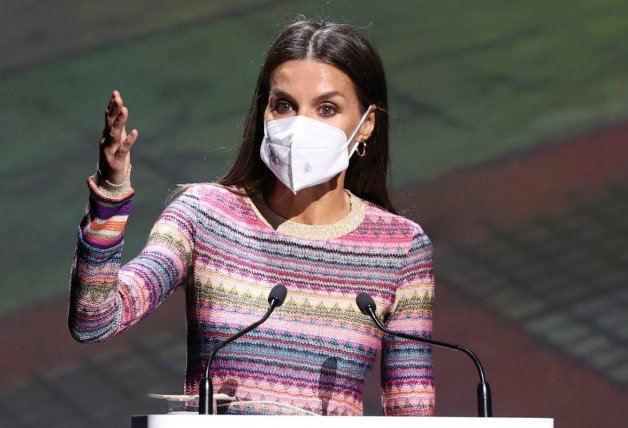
column 360, row 150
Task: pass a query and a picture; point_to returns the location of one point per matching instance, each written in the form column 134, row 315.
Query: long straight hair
column 343, row 47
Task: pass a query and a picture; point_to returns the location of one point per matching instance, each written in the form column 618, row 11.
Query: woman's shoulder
column 207, row 192
column 395, row 225
column 212, row 199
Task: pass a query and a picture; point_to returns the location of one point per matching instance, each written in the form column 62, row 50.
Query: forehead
column 310, row 77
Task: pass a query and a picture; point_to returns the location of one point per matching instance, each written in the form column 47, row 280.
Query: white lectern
column 193, row 420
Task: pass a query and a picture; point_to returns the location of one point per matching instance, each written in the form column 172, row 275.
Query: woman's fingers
column 113, row 108
column 127, row 144
column 116, row 132
column 115, row 144
column 115, row 120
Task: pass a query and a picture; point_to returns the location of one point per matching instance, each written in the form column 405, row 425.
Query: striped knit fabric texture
column 315, row 351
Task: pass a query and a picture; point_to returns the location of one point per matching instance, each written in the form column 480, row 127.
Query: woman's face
column 319, row 91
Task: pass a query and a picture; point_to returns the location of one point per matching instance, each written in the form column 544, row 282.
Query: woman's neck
column 324, row 203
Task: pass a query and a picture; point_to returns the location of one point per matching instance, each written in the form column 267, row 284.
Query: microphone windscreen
column 277, row 294
column 363, row 301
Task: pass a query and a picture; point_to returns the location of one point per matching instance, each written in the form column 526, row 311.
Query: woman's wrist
column 109, row 189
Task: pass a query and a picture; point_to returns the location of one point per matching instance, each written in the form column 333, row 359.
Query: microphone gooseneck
column 276, row 298
column 367, row 306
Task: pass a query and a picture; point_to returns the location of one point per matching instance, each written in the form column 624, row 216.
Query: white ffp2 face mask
column 304, row 152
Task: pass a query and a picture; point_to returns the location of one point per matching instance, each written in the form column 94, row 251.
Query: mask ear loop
column 361, row 152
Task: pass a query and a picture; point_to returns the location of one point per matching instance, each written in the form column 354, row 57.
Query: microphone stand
column 485, row 407
column 206, row 388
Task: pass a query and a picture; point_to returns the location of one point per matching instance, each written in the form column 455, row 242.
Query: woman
column 305, row 205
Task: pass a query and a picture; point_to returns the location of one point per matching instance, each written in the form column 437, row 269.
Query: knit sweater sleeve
column 407, row 381
column 106, row 297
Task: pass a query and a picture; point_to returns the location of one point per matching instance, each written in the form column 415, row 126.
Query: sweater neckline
column 309, row 231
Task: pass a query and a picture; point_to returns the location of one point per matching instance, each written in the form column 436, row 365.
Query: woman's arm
column 105, row 297
column 407, row 382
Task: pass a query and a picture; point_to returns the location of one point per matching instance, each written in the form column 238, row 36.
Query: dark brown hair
column 343, row 47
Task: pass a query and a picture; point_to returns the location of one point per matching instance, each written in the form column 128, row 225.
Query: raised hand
column 115, row 144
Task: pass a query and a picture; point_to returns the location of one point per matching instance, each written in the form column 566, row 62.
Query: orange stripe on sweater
column 114, row 226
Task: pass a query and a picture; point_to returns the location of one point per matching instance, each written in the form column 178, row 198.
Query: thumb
column 127, row 144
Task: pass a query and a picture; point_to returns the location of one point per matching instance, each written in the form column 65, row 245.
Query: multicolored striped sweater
column 228, row 250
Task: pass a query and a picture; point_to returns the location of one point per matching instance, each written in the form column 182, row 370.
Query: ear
column 368, row 126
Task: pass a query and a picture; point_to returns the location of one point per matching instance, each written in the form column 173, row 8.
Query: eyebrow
column 329, row 94
column 319, row 98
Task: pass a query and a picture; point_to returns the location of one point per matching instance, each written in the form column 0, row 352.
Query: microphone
column 485, row 407
column 276, row 298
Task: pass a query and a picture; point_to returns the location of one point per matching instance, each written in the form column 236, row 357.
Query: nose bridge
column 306, row 109
column 306, row 103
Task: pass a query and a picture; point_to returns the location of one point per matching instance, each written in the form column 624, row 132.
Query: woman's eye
column 327, row 110
column 283, row 107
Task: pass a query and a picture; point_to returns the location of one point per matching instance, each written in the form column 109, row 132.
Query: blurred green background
column 471, row 84
column 469, row 81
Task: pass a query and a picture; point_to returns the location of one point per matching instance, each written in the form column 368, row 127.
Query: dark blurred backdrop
column 510, row 147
